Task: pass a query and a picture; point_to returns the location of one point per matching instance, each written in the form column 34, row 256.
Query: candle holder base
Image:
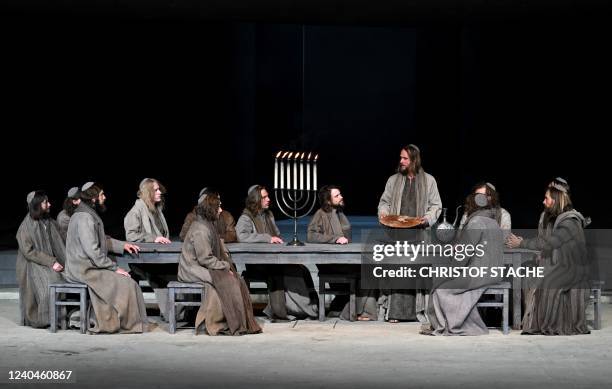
column 295, row 242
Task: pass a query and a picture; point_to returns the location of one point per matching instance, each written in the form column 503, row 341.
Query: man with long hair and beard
column 556, row 304
column 226, row 308
column 40, row 259
column 117, row 304
column 226, row 225
column 409, row 192
column 146, row 222
column 330, row 225
column 71, row 202
column 290, row 287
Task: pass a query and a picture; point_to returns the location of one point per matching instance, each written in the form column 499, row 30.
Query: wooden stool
column 337, row 279
column 55, row 303
column 595, row 298
column 177, row 288
column 502, row 288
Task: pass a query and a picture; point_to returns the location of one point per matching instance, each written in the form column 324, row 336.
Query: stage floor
column 308, row 354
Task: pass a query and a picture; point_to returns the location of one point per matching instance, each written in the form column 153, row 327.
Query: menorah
column 293, row 199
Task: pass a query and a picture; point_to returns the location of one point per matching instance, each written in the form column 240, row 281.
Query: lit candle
column 308, row 163
column 302, row 172
column 295, row 171
column 276, row 169
column 289, row 171
column 315, row 172
column 282, row 171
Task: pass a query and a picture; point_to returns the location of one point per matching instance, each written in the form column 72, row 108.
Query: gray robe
column 117, row 304
column 40, row 246
column 557, row 304
column 409, row 304
column 452, row 306
column 62, row 220
column 504, row 221
column 327, row 227
column 140, row 224
column 300, row 297
column 428, row 198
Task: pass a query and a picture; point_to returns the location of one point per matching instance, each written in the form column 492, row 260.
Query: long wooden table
column 309, row 255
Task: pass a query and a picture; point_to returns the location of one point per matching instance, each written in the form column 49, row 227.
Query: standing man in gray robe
column 145, row 222
column 70, row 204
column 290, row 287
column 409, row 192
column 330, row 225
column 40, row 260
column 117, row 304
column 452, row 306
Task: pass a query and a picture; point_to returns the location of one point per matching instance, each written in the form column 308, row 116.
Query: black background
column 205, row 94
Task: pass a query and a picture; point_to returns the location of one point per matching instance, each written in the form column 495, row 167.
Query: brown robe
column 226, row 308
column 117, row 304
column 40, row 246
column 226, row 226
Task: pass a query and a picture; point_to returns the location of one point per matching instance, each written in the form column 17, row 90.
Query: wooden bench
column 55, row 303
column 350, row 279
column 503, row 289
column 175, row 289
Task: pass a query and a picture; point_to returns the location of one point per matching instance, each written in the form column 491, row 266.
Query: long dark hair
column 253, row 200
column 415, row 159
column 34, row 207
column 208, row 209
column 492, row 196
column 563, row 203
column 325, row 199
column 69, row 206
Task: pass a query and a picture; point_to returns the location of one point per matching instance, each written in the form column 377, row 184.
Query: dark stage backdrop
column 197, row 102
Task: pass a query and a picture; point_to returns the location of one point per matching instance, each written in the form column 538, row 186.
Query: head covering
column 87, row 186
column 252, row 188
column 30, row 196
column 203, row 191
column 414, row 147
column 561, row 180
column 73, row 192
column 143, row 182
column 491, row 186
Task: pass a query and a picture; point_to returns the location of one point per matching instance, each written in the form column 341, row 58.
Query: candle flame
column 279, row 153
column 302, row 157
column 290, row 154
column 316, row 157
column 309, row 155
column 284, row 155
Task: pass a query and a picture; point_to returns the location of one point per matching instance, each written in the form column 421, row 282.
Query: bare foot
column 363, row 318
column 394, row 321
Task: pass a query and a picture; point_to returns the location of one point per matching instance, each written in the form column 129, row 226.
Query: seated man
column 40, row 259
column 146, row 222
column 227, row 307
column 452, row 308
column 290, row 287
column 117, row 304
column 226, row 225
column 70, row 204
column 330, row 225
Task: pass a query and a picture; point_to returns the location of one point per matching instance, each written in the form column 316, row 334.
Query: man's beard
column 402, row 170
column 339, row 207
column 100, row 208
column 46, row 214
